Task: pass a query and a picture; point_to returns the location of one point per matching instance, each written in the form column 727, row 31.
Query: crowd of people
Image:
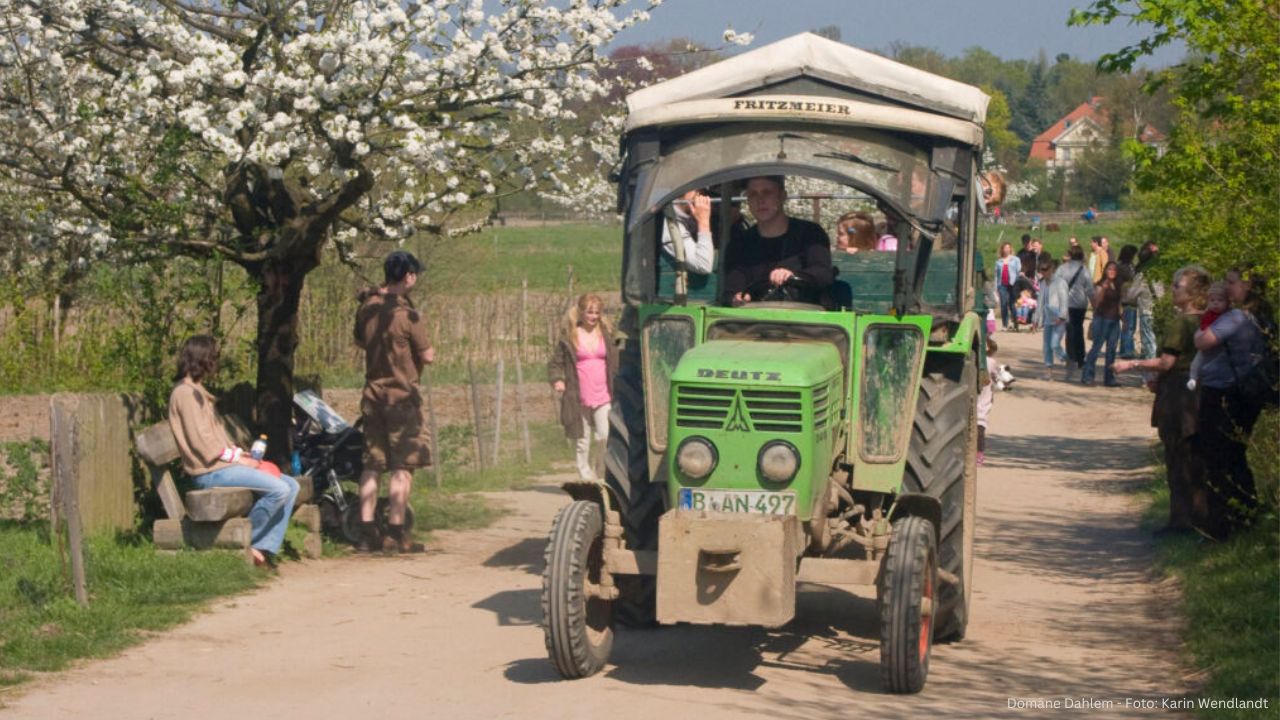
column 1211, row 370
column 1036, row 292
column 1204, row 370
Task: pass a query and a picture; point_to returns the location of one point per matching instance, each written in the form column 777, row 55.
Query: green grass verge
column 1231, row 604
column 132, row 590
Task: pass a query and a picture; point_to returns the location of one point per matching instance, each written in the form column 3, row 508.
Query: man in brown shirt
column 393, row 335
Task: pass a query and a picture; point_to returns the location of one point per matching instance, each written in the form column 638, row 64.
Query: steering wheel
column 765, row 291
column 783, row 297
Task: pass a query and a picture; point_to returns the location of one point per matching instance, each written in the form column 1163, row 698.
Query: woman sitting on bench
column 213, row 460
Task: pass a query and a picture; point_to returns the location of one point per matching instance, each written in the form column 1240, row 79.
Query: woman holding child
column 1231, row 347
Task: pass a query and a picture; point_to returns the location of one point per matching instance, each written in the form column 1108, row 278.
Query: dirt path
column 1063, row 610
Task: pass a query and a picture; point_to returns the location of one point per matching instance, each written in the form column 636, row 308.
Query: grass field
column 1230, row 602
column 498, row 258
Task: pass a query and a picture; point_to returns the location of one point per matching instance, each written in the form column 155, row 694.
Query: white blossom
column 443, row 104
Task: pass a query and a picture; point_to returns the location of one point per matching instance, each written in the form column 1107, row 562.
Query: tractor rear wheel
column 627, row 474
column 941, row 462
column 905, row 596
column 578, row 627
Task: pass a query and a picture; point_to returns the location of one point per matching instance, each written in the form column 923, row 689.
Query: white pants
column 597, row 418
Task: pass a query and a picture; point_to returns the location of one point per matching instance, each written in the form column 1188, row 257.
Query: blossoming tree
column 263, row 130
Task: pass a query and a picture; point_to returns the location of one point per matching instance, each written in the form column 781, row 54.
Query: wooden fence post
column 475, row 416
column 497, row 414
column 436, row 461
column 63, row 443
column 520, row 410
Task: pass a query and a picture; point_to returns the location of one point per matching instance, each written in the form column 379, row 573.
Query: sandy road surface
column 1063, row 609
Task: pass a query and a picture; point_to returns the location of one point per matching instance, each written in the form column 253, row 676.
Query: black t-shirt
column 804, row 249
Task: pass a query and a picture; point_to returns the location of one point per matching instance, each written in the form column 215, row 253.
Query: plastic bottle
column 259, row 448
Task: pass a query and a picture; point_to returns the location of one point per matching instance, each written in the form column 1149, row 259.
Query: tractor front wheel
column 578, row 625
column 905, row 597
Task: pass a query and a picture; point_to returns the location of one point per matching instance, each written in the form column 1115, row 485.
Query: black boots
column 398, row 541
column 368, row 541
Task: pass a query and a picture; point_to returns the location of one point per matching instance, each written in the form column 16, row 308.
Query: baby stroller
column 1025, row 299
column 329, row 450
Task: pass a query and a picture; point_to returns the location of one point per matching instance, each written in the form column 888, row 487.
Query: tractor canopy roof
column 808, row 77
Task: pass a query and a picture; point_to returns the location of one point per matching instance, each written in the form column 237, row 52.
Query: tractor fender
column 592, row 491
column 918, row 505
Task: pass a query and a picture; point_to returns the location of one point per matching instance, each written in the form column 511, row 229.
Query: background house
column 1067, row 138
column 1064, row 142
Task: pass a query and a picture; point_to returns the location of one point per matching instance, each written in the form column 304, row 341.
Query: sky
column 1011, row 29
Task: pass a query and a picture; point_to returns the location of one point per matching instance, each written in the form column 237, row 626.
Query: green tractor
column 757, row 446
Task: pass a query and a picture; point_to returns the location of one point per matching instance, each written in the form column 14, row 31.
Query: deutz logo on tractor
column 740, row 375
column 738, row 419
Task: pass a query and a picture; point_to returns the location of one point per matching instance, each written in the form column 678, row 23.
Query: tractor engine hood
column 760, row 364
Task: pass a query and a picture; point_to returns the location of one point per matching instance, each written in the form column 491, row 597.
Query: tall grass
column 1231, row 590
column 132, row 589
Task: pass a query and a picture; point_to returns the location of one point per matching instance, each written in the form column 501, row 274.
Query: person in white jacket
column 692, row 218
column 1053, row 313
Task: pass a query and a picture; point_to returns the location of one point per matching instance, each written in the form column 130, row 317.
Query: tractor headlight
column 779, row 461
column 696, row 457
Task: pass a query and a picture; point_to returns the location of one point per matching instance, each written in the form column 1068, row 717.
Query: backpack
column 1259, row 381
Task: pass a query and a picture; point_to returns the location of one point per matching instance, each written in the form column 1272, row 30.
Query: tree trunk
column 279, row 293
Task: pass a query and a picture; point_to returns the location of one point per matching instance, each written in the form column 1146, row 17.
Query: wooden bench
column 211, row 518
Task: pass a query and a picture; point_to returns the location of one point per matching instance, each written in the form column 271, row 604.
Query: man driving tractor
column 779, row 253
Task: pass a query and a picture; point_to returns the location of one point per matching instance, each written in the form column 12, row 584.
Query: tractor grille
column 702, row 407
column 774, row 410
column 711, row 408
column 820, row 407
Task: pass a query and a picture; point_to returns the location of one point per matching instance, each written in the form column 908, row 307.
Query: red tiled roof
column 1151, row 135
column 1042, row 145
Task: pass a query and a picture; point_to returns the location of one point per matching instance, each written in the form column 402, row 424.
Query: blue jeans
column 270, row 514
column 1006, row 304
column 1052, row 338
column 1130, row 319
column 1105, row 330
column 1146, row 325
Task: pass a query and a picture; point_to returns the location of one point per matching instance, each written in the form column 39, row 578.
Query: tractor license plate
column 740, row 501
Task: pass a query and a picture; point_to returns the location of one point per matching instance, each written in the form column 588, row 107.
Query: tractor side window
column 941, row 281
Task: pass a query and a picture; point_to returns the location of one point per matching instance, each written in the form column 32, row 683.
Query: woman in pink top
column 581, row 370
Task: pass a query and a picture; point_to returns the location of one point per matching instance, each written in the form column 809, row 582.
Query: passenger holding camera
column 691, row 217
